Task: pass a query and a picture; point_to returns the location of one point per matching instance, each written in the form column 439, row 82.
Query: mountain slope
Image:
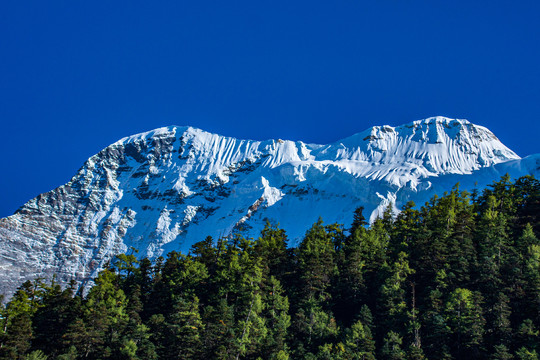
column 166, row 189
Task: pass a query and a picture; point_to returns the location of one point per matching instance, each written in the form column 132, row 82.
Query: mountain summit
column 166, row 189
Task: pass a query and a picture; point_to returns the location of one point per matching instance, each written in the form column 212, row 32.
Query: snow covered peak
column 398, row 155
column 433, row 130
column 439, row 120
column 162, row 131
column 165, row 189
column 416, row 150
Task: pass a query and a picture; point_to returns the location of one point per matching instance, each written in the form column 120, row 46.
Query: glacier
column 166, row 189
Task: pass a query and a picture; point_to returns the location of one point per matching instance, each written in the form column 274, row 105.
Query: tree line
column 457, row 278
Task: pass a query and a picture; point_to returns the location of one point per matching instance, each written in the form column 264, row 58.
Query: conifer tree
column 17, row 332
column 359, row 342
column 350, row 289
column 277, row 318
column 391, row 349
column 313, row 321
column 500, row 352
column 104, row 317
column 465, row 319
column 184, row 330
column 271, row 249
column 51, row 320
column 392, row 299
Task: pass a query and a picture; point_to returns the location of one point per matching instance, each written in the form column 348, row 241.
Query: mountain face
column 166, row 189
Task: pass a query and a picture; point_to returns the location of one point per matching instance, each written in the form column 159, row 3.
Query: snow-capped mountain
column 166, row 189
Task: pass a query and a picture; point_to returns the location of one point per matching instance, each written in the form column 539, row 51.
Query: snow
column 271, row 194
column 168, row 188
column 189, row 213
column 380, row 160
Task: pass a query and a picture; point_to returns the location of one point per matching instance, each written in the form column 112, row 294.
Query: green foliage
column 358, row 342
column 391, row 349
column 184, row 329
column 316, row 264
column 501, row 353
column 526, row 354
column 36, row 355
column 393, row 291
column 464, row 317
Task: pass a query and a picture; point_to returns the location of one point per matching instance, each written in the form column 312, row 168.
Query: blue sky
column 76, row 76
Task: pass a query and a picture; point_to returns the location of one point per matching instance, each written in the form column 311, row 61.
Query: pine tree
column 17, row 332
column 531, row 274
column 271, row 249
column 359, row 342
column 350, row 288
column 51, row 321
column 436, row 340
column 184, row 328
column 500, row 352
column 277, row 319
column 219, row 331
column 465, row 319
column 103, row 321
column 391, row 349
column 313, row 321
column 392, row 294
column 527, row 189
column 316, row 261
column 526, row 354
column 499, row 324
column 528, row 335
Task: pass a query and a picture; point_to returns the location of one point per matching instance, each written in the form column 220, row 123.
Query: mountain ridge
column 164, row 189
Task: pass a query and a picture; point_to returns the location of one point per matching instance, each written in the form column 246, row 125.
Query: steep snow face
column 166, row 189
column 420, row 149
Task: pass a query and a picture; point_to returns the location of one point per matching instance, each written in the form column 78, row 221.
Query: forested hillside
column 457, row 278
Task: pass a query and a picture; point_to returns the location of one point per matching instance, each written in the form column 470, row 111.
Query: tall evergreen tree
column 464, row 317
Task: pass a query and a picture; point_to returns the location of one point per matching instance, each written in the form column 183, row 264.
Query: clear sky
column 76, row 76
